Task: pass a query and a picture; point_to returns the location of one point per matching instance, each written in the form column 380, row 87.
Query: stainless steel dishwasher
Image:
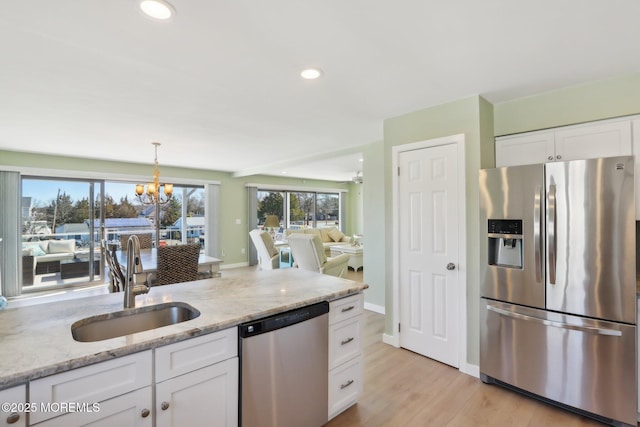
column 284, row 369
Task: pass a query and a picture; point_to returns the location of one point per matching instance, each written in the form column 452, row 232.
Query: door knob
column 451, row 266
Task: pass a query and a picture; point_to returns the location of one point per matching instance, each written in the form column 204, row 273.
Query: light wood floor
column 402, row 388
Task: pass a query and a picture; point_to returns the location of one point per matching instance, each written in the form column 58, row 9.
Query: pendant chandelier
column 152, row 195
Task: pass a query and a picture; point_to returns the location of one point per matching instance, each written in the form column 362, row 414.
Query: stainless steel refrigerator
column 558, row 284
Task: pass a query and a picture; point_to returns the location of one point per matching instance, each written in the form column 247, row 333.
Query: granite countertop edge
column 300, row 289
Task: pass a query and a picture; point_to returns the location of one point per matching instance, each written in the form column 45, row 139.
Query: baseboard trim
column 373, row 307
column 469, row 369
column 391, row 340
column 238, row 265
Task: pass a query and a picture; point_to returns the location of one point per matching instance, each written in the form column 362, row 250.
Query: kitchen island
column 37, row 341
column 182, row 374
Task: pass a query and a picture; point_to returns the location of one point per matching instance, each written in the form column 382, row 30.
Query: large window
column 300, row 209
column 63, row 222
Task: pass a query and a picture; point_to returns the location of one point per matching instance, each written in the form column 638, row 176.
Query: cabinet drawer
column 345, row 341
column 346, row 308
column 91, row 384
column 195, row 353
column 15, row 395
column 345, row 386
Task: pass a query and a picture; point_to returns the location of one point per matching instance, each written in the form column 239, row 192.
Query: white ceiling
column 219, row 85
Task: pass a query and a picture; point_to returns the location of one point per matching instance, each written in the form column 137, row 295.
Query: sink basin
column 127, row 322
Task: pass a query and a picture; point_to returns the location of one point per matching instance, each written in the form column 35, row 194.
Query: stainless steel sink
column 127, row 322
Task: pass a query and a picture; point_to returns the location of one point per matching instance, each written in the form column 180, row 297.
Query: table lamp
column 270, row 223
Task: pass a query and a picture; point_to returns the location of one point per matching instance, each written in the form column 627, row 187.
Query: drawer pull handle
column 345, row 385
column 164, row 406
column 145, row 413
column 13, row 418
column 347, row 341
column 348, row 308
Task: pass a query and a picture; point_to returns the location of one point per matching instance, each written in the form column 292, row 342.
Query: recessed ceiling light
column 311, row 73
column 157, row 9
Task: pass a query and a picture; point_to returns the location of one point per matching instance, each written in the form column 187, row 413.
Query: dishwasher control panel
column 282, row 320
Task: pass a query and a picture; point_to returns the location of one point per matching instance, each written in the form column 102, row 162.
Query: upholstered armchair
column 268, row 255
column 308, row 253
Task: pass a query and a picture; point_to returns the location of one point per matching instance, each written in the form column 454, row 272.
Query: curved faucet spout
column 134, row 267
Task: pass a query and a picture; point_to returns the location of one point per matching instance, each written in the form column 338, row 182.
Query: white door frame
column 394, row 338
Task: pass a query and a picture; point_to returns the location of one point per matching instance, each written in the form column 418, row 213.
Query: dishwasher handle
column 282, row 320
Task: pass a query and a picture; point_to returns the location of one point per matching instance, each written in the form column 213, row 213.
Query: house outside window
column 64, row 220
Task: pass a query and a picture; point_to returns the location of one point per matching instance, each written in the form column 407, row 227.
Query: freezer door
column 513, row 193
column 591, row 249
column 583, row 363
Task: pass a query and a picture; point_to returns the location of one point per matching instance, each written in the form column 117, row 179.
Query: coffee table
column 355, row 254
column 72, row 268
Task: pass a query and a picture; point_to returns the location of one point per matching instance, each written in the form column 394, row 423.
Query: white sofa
column 330, row 236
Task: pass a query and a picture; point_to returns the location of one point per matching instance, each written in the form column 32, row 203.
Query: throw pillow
column 32, row 249
column 336, row 235
column 62, row 246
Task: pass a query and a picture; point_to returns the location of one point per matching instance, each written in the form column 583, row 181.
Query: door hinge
column 399, row 328
column 398, row 170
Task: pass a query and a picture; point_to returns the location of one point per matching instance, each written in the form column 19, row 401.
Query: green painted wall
column 472, row 117
column 233, row 195
column 576, row 104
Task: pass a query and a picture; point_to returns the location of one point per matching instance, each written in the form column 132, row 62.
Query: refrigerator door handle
column 536, row 233
column 551, row 232
column 587, row 329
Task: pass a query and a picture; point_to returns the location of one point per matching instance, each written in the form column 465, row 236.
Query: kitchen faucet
column 134, row 267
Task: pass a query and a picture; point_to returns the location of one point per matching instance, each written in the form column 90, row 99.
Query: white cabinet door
column 127, row 410
column 207, row 397
column 90, row 384
column 16, row 398
column 527, row 149
column 591, row 141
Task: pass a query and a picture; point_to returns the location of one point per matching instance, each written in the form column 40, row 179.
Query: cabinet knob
column 558, row 157
column 550, row 158
column 13, row 418
column 145, row 413
column 164, row 406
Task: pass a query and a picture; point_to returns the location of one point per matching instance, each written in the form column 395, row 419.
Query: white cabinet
column 197, row 381
column 16, row 397
column 207, row 397
column 529, row 148
column 196, row 384
column 128, row 410
column 346, row 321
column 607, row 138
column 93, row 384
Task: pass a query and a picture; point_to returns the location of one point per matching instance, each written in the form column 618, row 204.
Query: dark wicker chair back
column 177, row 264
column 145, row 241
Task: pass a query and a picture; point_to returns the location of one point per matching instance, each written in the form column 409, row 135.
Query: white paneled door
column 428, row 252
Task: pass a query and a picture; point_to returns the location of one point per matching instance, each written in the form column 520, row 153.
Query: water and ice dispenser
column 505, row 242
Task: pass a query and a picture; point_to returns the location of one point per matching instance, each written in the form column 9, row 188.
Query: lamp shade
column 272, row 221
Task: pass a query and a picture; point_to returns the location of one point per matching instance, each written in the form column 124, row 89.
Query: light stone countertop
column 36, row 341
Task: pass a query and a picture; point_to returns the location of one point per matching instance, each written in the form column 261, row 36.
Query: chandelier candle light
column 152, row 196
